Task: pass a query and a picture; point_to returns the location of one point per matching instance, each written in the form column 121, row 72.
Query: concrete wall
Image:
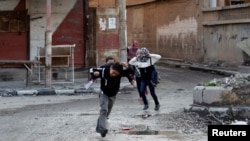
column 222, row 28
column 8, row 5
column 197, row 31
column 107, row 37
column 220, row 44
column 183, row 29
column 167, row 27
column 66, row 22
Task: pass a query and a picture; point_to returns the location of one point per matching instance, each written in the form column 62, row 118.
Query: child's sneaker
column 145, row 107
column 157, row 107
column 103, row 134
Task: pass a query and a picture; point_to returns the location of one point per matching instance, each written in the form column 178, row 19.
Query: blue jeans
column 143, row 86
column 138, row 84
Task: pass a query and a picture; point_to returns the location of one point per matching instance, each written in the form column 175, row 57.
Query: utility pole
column 48, row 45
column 121, row 5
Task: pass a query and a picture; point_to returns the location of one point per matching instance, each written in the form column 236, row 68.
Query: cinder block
column 208, row 95
column 27, row 92
column 198, row 94
column 62, row 92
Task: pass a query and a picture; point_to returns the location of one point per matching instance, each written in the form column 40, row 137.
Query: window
column 236, row 2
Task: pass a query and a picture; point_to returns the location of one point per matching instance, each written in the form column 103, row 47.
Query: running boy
column 110, row 84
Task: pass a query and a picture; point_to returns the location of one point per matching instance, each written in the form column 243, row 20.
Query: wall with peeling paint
column 178, row 34
column 107, row 34
column 220, row 45
column 169, row 28
column 191, row 30
column 67, row 23
column 222, row 28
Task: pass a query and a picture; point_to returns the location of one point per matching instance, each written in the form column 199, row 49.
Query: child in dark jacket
column 110, row 84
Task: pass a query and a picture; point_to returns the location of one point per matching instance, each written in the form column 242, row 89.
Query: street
column 74, row 117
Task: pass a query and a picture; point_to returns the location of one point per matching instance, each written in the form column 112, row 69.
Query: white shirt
column 154, row 59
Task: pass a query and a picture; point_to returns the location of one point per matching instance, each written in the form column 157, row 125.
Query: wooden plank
column 224, row 22
column 57, row 51
column 57, row 61
column 62, row 56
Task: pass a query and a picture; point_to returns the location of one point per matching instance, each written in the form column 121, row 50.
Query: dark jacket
column 110, row 85
column 146, row 73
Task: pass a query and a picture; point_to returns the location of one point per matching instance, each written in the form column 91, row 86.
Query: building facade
column 23, row 26
column 197, row 31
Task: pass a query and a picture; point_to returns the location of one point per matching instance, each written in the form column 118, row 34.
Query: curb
column 43, row 92
column 52, row 91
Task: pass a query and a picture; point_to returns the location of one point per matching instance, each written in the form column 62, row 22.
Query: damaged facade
column 23, row 26
column 195, row 31
column 204, row 31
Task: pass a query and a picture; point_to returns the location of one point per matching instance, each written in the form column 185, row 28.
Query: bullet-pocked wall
column 224, row 24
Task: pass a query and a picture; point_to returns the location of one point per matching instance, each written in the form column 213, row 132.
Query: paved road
column 73, row 117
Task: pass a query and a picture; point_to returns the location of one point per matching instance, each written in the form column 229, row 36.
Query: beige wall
column 190, row 30
column 166, row 27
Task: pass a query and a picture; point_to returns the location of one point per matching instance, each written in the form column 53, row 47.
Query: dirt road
column 73, row 118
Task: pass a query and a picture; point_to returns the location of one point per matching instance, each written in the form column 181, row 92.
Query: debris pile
column 236, row 81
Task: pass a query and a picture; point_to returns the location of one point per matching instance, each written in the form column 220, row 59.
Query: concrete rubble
column 226, row 91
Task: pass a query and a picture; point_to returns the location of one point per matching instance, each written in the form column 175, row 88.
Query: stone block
column 209, row 95
column 244, row 69
column 65, row 92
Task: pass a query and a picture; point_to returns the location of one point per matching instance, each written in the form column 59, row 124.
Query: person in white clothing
column 145, row 63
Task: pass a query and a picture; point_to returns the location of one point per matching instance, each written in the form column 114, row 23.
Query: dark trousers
column 143, row 86
column 138, row 84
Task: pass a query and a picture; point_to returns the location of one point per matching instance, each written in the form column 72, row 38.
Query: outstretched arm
column 128, row 72
column 95, row 73
column 133, row 61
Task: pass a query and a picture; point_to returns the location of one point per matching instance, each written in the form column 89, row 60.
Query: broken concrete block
column 212, row 95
